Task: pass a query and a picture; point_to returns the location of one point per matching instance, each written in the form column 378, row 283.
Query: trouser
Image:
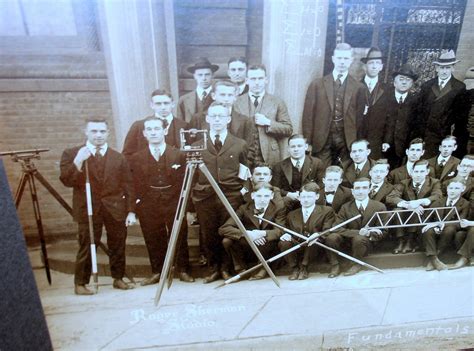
column 335, row 151
column 302, row 256
column 116, row 237
column 242, row 254
column 361, row 245
column 437, row 243
column 211, row 215
column 464, row 242
column 156, row 222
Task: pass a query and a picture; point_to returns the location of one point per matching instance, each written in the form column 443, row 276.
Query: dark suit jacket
column 384, row 190
column 350, row 175
column 277, row 198
column 440, row 109
column 401, row 173
column 377, row 92
column 466, row 193
column 449, row 169
column 189, row 104
column 224, row 168
column 319, row 107
column 237, row 120
column 341, row 196
column 175, row 168
column 245, row 213
column 312, row 171
column 349, row 210
column 245, row 91
column 117, row 193
column 272, row 138
column 320, row 219
column 462, row 206
column 431, row 189
column 135, row 141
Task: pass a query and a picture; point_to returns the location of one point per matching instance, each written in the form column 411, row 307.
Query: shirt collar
column 293, row 161
column 343, row 78
column 398, row 95
column 364, row 203
column 242, row 87
column 308, row 210
column 445, row 81
column 264, row 210
column 161, row 147
column 455, row 201
column 92, row 148
column 372, row 81
column 443, row 158
column 222, row 136
column 200, row 90
column 260, row 96
column 421, row 184
column 360, row 165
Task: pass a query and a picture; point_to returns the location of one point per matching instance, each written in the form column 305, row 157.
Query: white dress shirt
column 398, row 95
column 200, row 91
column 93, row 148
column 307, row 212
column 343, row 78
column 222, row 136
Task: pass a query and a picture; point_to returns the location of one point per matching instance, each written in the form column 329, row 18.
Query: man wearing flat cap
column 373, row 126
column 398, row 114
column 443, row 103
column 199, row 99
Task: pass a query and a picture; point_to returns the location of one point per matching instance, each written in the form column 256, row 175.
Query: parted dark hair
column 215, row 103
column 310, row 187
column 382, row 161
column 262, row 164
column 450, row 137
column 164, row 122
column 457, row 180
column 257, row 67
column 417, row 141
column 334, row 169
column 161, row 92
column 96, row 120
column 224, row 82
column 296, row 136
column 240, row 59
column 361, row 141
column 262, row 186
column 422, row 163
column 469, row 157
column 361, row 179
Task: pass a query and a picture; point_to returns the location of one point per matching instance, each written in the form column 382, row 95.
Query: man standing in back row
column 333, row 110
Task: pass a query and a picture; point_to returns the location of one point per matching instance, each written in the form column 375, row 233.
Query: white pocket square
column 175, row 166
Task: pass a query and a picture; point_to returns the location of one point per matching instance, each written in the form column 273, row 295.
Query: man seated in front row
column 308, row 219
column 263, row 234
column 360, row 164
column 360, row 238
column 438, row 238
column 415, row 193
column 379, row 186
column 333, row 194
column 262, row 173
column 294, row 171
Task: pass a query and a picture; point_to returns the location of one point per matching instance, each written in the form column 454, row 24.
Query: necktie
column 400, row 100
column 361, row 209
column 204, row 95
column 417, row 187
column 441, row 84
column 218, row 143
column 305, row 215
column 369, row 85
column 338, row 80
column 255, row 101
column 298, row 165
column 330, row 192
column 156, row 154
column 357, row 170
column 373, row 191
column 258, row 211
column 450, row 203
column 97, row 154
column 442, row 162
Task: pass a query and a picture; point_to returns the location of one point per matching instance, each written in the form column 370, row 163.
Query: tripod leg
column 52, row 191
column 178, row 219
column 20, row 189
column 234, row 216
column 39, row 224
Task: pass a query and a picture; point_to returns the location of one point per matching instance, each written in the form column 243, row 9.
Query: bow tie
column 258, row 211
column 330, row 192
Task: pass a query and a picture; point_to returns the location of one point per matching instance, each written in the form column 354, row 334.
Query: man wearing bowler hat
column 200, row 98
column 398, row 114
column 443, row 103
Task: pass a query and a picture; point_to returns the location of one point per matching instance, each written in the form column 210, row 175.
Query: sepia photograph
column 236, row 174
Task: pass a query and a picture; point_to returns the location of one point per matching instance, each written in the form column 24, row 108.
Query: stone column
column 139, row 45
column 294, row 37
column 466, row 42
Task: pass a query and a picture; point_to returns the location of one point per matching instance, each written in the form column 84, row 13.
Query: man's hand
column 131, row 219
column 364, row 232
column 293, row 196
column 256, row 234
column 285, row 237
column 385, row 147
column 375, row 234
column 262, row 120
column 191, row 217
column 419, row 210
column 466, row 223
column 314, row 237
column 437, row 227
column 83, row 154
column 260, row 242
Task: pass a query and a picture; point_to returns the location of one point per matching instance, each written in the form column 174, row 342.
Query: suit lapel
column 227, row 144
column 447, row 88
column 377, row 93
column 348, row 93
column 447, row 167
column 287, row 170
column 368, row 213
column 250, row 215
column 329, row 87
column 306, row 170
column 109, row 161
column 425, row 188
column 269, row 214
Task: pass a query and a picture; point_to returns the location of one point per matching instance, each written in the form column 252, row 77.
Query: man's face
column 297, row 148
column 256, row 80
column 203, row 77
column 361, row 190
column 308, row 198
column 237, row 72
column 359, row 152
column 332, row 180
column 342, row 60
column 261, row 175
column 465, row 167
column 444, row 72
column 262, row 197
column 162, row 105
column 402, row 83
column 154, row 132
column 97, row 133
column 378, row 173
column 414, row 152
column 225, row 95
column 454, row 190
column 218, row 118
column 447, row 147
column 373, row 68
column 419, row 173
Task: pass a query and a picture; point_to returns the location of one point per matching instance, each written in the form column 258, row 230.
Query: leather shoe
column 399, row 247
column 120, row 284
column 202, row 260
column 353, row 270
column 408, row 247
column 212, row 277
column 303, row 273
column 225, row 275
column 429, row 266
column 294, row 274
column 440, row 266
column 185, row 277
column 462, row 262
column 155, row 278
column 261, row 274
column 335, row 271
column 82, row 290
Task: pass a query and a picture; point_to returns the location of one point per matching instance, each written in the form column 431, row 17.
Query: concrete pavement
column 403, row 308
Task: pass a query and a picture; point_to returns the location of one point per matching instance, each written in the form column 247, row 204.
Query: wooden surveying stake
column 194, row 161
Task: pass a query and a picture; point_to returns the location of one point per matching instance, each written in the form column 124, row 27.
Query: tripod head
column 24, row 156
column 189, row 143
